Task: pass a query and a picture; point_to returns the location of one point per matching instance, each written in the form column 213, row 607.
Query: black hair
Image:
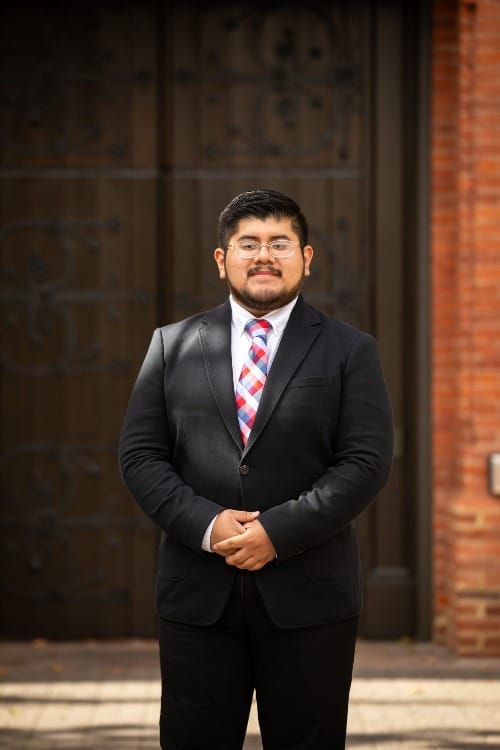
column 260, row 204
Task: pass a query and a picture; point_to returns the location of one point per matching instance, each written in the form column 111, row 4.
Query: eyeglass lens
column 277, row 247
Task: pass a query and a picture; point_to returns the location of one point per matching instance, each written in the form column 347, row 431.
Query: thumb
column 246, row 515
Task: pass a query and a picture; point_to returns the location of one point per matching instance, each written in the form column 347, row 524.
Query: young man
column 255, row 434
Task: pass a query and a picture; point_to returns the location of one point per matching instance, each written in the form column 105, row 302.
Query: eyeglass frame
column 265, row 244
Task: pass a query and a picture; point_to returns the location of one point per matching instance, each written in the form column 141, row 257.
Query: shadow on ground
column 104, row 737
column 112, row 737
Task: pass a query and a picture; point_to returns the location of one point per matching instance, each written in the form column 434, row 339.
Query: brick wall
column 465, row 248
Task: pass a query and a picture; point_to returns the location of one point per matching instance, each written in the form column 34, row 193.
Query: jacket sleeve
column 145, row 455
column 360, row 467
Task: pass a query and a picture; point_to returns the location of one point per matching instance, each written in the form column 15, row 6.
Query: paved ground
column 105, row 696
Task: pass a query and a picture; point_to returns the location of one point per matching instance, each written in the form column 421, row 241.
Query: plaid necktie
column 253, row 376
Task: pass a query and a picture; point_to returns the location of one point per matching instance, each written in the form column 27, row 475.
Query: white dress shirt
column 240, row 345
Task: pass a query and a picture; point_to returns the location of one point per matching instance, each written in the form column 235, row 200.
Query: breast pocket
column 310, row 403
column 313, row 381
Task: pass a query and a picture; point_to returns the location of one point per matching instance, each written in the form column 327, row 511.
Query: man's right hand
column 230, row 522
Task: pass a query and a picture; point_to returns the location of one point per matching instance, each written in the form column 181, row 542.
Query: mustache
column 267, row 269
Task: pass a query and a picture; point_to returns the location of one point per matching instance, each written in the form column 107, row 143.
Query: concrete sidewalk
column 106, row 696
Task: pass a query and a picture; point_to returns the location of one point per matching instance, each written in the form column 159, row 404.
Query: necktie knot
column 258, row 327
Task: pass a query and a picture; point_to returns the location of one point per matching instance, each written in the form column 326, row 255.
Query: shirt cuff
column 205, row 542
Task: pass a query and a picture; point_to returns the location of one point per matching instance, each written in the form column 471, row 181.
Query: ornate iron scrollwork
column 294, row 87
column 50, row 282
column 54, row 496
column 59, row 85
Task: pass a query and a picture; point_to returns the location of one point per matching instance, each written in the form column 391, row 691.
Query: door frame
column 423, row 360
column 403, row 217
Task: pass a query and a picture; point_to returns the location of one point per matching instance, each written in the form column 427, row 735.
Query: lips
column 264, row 272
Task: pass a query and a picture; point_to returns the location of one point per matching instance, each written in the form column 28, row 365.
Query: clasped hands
column 240, row 537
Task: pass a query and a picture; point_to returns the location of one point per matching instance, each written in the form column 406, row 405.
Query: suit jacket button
column 244, row 469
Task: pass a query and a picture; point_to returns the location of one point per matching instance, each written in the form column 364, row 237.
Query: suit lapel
column 302, row 329
column 215, row 337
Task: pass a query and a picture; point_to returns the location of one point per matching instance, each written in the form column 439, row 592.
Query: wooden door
column 78, row 301
column 307, row 98
column 125, row 129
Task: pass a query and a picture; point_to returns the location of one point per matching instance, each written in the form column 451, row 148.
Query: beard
column 264, row 300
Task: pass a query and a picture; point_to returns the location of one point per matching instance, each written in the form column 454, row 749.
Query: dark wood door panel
column 78, row 299
column 266, row 84
column 78, row 307
column 275, row 96
column 78, row 84
column 308, row 100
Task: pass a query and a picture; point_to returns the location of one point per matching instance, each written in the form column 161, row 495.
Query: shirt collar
column 278, row 318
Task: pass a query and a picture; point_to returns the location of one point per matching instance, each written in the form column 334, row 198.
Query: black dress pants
column 301, row 677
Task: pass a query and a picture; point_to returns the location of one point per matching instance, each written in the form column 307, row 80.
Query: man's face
column 264, row 283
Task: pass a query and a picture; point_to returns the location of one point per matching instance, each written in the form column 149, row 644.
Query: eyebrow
column 257, row 239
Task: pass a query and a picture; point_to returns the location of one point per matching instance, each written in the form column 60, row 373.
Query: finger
column 241, row 563
column 254, row 566
column 227, row 545
column 232, row 560
column 251, row 565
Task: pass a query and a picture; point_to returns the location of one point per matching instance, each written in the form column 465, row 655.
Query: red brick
column 465, row 315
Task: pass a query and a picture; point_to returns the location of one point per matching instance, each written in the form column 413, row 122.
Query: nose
column 264, row 255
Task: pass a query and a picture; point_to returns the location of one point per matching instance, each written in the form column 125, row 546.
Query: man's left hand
column 248, row 551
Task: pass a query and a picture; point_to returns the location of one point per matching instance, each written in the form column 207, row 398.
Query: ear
column 219, row 256
column 308, row 253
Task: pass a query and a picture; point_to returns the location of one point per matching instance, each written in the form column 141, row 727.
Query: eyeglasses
column 276, row 248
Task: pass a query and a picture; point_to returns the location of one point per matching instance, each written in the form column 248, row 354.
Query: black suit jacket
column 318, row 454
